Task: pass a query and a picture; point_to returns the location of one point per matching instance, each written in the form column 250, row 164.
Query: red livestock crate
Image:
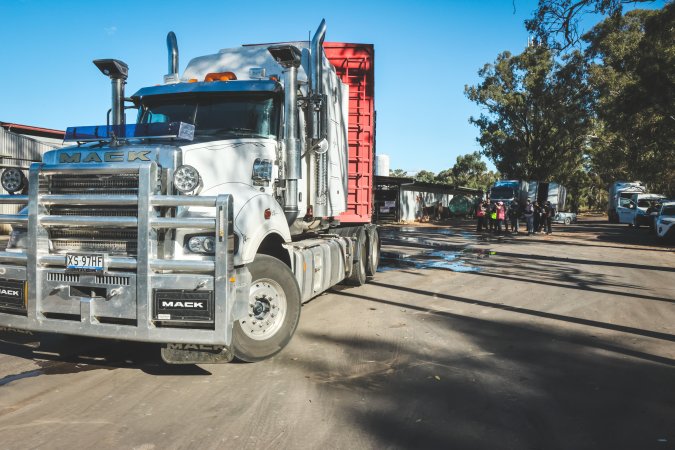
column 354, row 64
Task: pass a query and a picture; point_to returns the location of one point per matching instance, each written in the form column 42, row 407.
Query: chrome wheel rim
column 267, row 307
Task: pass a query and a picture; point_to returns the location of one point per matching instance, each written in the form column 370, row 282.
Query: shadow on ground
column 512, row 386
column 58, row 355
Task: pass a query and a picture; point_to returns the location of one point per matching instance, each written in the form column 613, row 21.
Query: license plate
column 85, row 263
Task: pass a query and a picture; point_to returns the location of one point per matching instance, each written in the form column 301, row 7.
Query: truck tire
column 373, row 253
column 358, row 275
column 274, row 311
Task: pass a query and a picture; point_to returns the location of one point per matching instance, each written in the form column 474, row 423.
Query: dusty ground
column 463, row 341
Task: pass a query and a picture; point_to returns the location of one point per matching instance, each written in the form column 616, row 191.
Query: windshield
column 222, row 116
column 668, row 210
column 502, row 192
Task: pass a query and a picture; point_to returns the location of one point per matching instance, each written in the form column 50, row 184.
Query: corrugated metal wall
column 14, row 145
column 414, row 200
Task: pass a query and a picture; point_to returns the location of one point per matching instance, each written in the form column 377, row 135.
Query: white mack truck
column 207, row 223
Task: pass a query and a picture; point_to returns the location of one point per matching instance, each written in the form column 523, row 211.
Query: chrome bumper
column 51, row 305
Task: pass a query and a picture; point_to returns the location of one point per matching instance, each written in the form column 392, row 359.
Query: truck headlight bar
column 202, row 244
column 13, row 180
column 186, row 179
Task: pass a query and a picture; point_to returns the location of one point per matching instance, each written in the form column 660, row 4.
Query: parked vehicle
column 506, row 191
column 632, row 210
column 619, row 190
column 241, row 191
column 548, row 191
column 565, row 217
column 665, row 221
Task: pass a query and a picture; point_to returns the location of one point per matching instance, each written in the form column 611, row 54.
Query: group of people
column 496, row 217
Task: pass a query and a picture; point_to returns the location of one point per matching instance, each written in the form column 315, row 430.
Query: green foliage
column 400, row 173
column 536, row 119
column 425, row 176
column 556, row 22
column 468, row 171
column 584, row 119
column 632, row 73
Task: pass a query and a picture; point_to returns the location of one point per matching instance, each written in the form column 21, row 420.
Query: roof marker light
column 220, row 76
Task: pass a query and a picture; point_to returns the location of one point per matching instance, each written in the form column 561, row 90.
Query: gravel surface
column 462, row 341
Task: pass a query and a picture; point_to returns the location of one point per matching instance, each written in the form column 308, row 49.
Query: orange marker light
column 268, row 213
column 220, row 76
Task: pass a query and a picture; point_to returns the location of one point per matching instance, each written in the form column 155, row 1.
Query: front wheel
column 568, row 220
column 273, row 311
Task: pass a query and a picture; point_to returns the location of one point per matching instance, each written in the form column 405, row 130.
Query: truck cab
column 206, row 223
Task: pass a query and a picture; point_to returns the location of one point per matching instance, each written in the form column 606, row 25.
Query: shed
column 19, row 146
column 402, row 199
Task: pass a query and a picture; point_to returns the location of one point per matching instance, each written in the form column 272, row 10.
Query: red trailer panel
column 354, row 64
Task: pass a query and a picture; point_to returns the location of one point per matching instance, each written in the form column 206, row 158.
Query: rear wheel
column 358, row 275
column 568, row 221
column 373, row 253
column 273, row 311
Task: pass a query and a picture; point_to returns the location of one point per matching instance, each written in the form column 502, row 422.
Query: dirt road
column 462, row 341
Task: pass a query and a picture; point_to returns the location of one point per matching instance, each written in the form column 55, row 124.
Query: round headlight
column 209, row 244
column 186, row 179
column 13, row 180
column 201, row 244
column 195, row 244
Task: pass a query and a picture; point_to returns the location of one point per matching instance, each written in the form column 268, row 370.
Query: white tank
column 382, row 165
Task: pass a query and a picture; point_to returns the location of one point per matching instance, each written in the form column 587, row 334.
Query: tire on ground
column 373, row 253
column 358, row 275
column 273, row 309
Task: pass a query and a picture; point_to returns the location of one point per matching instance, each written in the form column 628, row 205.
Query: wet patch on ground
column 465, row 260
column 428, row 248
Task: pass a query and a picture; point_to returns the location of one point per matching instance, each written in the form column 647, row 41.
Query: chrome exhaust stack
column 117, row 71
column 172, row 48
column 319, row 145
column 316, row 78
column 289, row 57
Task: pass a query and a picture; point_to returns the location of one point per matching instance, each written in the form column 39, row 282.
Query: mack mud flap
column 19, row 337
column 196, row 354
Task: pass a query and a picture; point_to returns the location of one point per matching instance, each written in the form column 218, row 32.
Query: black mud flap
column 19, row 337
column 196, row 354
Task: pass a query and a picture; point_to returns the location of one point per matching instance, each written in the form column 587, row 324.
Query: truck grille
column 91, row 184
column 119, row 242
column 114, row 242
column 111, row 211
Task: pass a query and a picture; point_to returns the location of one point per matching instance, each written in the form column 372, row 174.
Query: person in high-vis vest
column 493, row 217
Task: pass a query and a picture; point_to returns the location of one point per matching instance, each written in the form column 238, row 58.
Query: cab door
column 627, row 208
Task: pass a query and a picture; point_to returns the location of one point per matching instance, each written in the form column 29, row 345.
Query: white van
column 632, row 208
column 665, row 221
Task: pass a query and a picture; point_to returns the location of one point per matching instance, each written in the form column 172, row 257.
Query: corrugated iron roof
column 32, row 131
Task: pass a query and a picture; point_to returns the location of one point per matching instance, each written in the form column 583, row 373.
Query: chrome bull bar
column 129, row 317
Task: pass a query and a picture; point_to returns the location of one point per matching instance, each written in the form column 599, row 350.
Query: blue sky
column 426, row 52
